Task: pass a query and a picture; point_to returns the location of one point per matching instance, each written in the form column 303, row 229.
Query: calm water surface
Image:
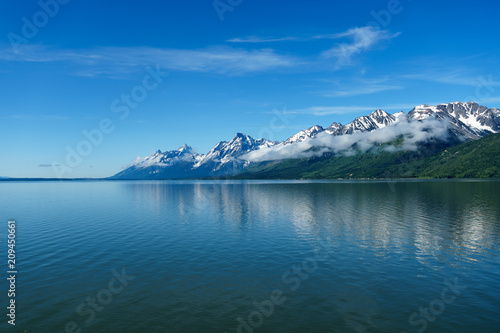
column 202, row 256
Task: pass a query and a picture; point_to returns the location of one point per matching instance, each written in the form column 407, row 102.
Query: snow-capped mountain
column 185, row 162
column 175, row 162
column 335, row 129
column 304, row 134
column 224, row 156
column 469, row 120
column 225, row 152
column 375, row 120
column 169, row 158
column 466, row 121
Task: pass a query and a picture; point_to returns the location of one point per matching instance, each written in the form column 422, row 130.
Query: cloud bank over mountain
column 443, row 125
column 412, row 133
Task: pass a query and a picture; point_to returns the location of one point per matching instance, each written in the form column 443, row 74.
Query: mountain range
column 424, row 131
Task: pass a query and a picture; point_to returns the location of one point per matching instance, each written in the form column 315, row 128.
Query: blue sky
column 197, row 72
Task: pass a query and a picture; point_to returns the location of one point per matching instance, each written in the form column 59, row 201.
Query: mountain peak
column 381, row 118
column 184, row 148
column 422, row 111
column 241, row 139
column 240, row 135
column 311, row 132
column 379, row 112
column 335, row 129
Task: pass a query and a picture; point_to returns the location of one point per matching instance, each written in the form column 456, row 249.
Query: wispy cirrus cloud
column 26, row 116
column 118, row 61
column 260, row 39
column 362, row 87
column 257, row 39
column 304, row 38
column 363, row 90
column 45, row 165
column 453, row 76
column 112, row 60
column 448, row 76
column 462, row 71
column 332, row 110
column 328, row 110
column 363, row 39
column 492, row 99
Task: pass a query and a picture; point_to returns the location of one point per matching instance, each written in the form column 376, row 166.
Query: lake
column 254, row 256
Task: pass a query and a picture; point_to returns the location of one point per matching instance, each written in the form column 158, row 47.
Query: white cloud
column 119, row 60
column 455, row 76
column 362, row 87
column 363, row 90
column 492, row 99
column 257, row 39
column 329, row 110
column 413, row 132
column 26, row 116
column 363, row 39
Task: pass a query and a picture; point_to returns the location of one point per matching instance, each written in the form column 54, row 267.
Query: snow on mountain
column 225, row 152
column 335, row 129
column 465, row 120
column 183, row 154
column 470, row 120
column 185, row 162
column 373, row 121
column 304, row 134
column 381, row 118
column 421, row 112
column 474, row 115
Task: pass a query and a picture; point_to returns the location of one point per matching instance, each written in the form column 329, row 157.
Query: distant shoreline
column 235, row 179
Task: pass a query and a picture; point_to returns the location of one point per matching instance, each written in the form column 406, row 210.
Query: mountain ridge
column 464, row 121
column 472, row 159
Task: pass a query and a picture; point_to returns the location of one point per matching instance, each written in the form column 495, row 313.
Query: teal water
column 208, row 256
